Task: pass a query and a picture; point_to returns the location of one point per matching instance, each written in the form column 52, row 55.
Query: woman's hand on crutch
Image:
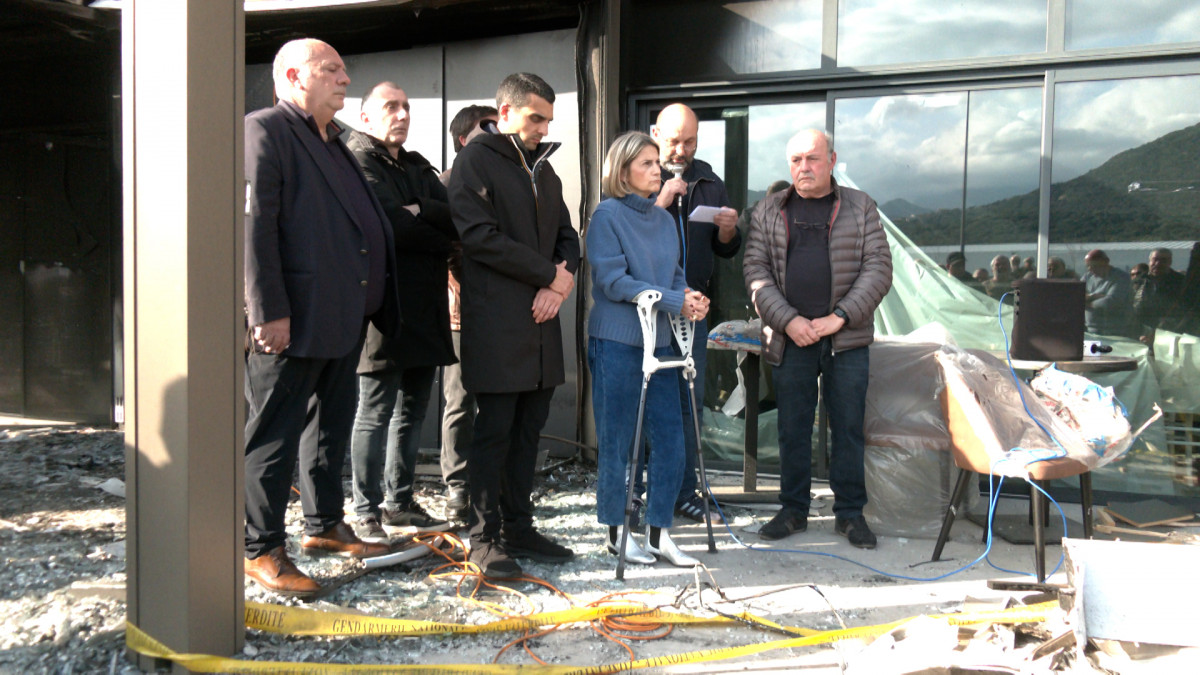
column 695, row 305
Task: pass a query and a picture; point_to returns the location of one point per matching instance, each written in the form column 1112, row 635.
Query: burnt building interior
column 60, row 212
column 60, row 173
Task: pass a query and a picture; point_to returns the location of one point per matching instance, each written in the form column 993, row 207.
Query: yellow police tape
column 298, row 621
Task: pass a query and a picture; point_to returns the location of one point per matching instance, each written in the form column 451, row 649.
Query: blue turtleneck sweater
column 631, row 247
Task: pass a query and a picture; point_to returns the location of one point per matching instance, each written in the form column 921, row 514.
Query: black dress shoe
column 855, row 529
column 786, row 522
column 412, row 514
column 458, row 505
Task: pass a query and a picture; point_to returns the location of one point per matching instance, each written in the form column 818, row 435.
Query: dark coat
column 514, row 228
column 705, row 188
column 304, row 247
column 422, row 245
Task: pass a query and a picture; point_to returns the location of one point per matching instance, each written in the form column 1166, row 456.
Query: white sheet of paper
column 704, row 214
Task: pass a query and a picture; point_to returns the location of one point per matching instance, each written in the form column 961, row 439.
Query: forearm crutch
column 685, row 333
column 648, row 316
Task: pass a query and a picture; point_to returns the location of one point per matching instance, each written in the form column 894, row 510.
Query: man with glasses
column 319, row 266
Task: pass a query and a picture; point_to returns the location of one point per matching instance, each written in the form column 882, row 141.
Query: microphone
column 677, row 169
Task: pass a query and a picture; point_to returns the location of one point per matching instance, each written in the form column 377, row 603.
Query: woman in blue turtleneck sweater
column 632, row 246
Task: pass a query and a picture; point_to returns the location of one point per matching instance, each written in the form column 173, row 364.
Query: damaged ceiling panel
column 35, row 30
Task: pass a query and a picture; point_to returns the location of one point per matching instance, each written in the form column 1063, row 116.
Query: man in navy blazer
column 319, row 265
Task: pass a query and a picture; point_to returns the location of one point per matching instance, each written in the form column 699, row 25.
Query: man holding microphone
column 694, row 184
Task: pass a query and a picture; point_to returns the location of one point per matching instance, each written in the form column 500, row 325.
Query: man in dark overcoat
column 520, row 253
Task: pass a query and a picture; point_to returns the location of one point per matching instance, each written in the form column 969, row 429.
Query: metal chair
column 971, row 455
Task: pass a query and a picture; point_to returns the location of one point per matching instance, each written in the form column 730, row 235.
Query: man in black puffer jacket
column 395, row 375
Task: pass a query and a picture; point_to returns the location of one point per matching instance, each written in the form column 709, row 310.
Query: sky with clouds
column 913, row 146
column 875, row 32
column 1122, row 23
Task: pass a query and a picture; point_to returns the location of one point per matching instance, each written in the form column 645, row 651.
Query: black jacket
column 422, row 243
column 514, row 228
column 303, row 239
column 704, row 189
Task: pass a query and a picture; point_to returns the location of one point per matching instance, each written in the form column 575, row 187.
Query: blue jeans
column 616, row 387
column 845, row 376
column 387, row 436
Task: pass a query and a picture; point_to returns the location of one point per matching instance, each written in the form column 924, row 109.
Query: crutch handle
column 649, row 319
column 683, row 329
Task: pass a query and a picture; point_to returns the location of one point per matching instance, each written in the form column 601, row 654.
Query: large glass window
column 1118, row 23
column 1126, row 181
column 924, row 157
column 961, row 159
column 746, row 147
column 878, row 32
column 1004, row 136
column 1125, row 170
column 906, row 151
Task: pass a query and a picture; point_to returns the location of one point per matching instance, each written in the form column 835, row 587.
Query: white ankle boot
column 634, row 553
column 667, row 550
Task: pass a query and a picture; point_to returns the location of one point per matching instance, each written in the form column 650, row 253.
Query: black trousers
column 502, row 459
column 298, row 409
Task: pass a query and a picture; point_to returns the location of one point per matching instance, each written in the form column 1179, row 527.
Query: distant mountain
column 1151, row 192
column 901, row 209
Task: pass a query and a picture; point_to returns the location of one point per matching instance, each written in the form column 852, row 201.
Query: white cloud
column 770, row 127
column 896, row 31
column 1115, row 23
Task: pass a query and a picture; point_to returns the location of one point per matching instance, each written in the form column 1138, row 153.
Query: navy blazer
column 306, row 254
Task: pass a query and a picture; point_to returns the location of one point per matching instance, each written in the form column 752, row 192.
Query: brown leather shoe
column 341, row 540
column 275, row 571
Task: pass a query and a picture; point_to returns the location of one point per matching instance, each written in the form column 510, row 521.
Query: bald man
column 817, row 266
column 395, row 374
column 694, row 184
column 319, row 265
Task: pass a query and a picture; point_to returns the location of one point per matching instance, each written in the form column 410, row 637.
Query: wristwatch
column 841, row 314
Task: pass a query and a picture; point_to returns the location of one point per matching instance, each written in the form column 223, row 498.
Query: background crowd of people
column 1132, row 304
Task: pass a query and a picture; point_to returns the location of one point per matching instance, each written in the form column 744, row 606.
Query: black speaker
column 1048, row 320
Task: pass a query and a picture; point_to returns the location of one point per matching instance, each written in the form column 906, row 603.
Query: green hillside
column 1147, row 193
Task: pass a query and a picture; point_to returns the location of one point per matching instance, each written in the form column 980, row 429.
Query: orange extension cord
column 617, row 629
